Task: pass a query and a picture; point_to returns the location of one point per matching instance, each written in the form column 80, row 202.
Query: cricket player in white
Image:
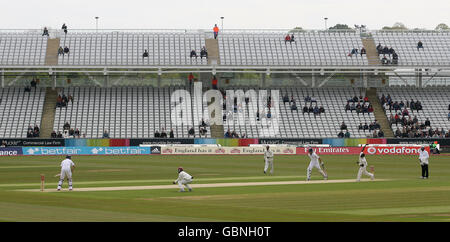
column 67, row 167
column 183, row 179
column 423, row 159
column 315, row 159
column 363, row 166
column 268, row 158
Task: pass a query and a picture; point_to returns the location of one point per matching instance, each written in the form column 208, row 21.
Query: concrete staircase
column 212, row 46
column 48, row 113
column 217, row 131
column 379, row 113
column 51, row 55
column 371, row 51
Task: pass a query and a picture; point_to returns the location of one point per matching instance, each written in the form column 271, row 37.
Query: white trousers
column 363, row 170
column 183, row 183
column 65, row 173
column 269, row 162
column 314, row 165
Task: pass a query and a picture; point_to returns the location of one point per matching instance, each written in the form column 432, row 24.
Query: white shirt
column 268, row 154
column 423, row 156
column 67, row 164
column 362, row 160
column 314, row 157
column 183, row 176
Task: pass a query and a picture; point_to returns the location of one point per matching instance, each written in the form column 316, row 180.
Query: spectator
column 287, row 39
column 71, row 132
column 214, row 83
column 363, row 51
column 316, row 110
column 191, row 132
column 293, row 107
column 171, row 135
column 64, row 27
column 419, row 45
column 398, row 133
column 66, row 126
column 257, row 115
column 228, row 134
column 310, row 109
column 292, row 38
column 379, row 49
column 307, row 98
column 366, row 127
column 60, row 51
column 347, row 106
column 27, row 89
column 202, row 123
column 269, row 114
column 145, row 54
column 157, row 134
column 163, row 134
column 29, row 134
column 59, row 136
column 193, row 54
column 448, row 116
column 394, row 58
column 66, row 50
column 321, row 109
column 285, row 98
column 45, row 32
column 77, row 133
column 234, row 134
column 105, row 134
column 380, row 133
column 343, row 126
column 305, row 109
column 360, row 127
column 370, row 108
column 347, row 134
column 53, row 134
column 427, row 123
column 216, row 31
column 190, row 78
column 341, row 134
column 203, row 131
column 203, row 53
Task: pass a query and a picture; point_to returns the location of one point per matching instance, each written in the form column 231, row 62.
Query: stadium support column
column 313, row 79
column 3, row 78
column 364, row 79
column 418, row 77
column 263, row 80
column 159, row 77
column 106, row 80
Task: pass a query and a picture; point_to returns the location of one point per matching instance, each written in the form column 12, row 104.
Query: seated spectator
column 343, row 126
column 360, row 127
column 53, row 134
column 60, row 51
column 448, row 116
column 307, row 98
column 394, row 58
column 376, row 124
column 384, row 60
column 418, row 106
column 427, row 123
column 379, row 49
column 347, row 107
column 145, row 54
column 287, row 39
column 419, row 45
column 405, row 112
column 363, row 51
column 105, row 134
column 401, row 104
column 163, row 134
column 374, row 134
column 191, row 132
column 45, row 32
column 228, row 134
column 71, row 132
column 347, row 134
column 234, row 134
column 341, row 134
column 257, row 115
column 29, row 134
column 321, row 109
column 352, row 107
column 77, row 133
column 171, row 135
column 310, row 109
column 214, row 83
column 398, row 133
column 157, row 134
column 292, row 100
column 203, row 131
column 293, row 107
column 193, row 54
column 203, row 52
column 366, row 127
column 380, row 133
column 292, row 38
column 66, row 50
column 305, row 109
column 66, row 126
column 27, row 89
column 59, row 135
column 316, row 110
column 33, row 83
column 269, row 114
column 285, row 98
column 370, row 109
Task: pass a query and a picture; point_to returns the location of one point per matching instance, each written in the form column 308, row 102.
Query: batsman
column 67, row 167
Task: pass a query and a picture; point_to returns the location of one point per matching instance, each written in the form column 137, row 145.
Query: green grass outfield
column 399, row 196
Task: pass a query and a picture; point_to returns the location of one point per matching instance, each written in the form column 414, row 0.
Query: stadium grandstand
column 320, row 84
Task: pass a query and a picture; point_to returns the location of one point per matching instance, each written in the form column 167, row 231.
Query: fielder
column 423, row 159
column 183, row 179
column 268, row 159
column 67, row 167
column 363, row 166
column 314, row 163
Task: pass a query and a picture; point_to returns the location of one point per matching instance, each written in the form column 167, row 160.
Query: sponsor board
column 291, row 141
column 129, row 150
column 33, row 142
column 157, row 141
column 216, row 150
column 370, row 150
column 12, row 151
column 155, row 150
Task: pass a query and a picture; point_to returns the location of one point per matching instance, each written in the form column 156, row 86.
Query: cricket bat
column 323, row 168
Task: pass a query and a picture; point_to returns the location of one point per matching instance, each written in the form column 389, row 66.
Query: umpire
column 423, row 159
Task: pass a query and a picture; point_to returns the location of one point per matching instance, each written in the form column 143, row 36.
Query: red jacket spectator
column 366, row 99
column 190, row 78
column 214, row 82
column 287, row 38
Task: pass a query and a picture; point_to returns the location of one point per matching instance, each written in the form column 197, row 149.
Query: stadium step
column 217, row 131
column 379, row 113
column 371, row 51
column 212, row 45
column 51, row 55
column 48, row 112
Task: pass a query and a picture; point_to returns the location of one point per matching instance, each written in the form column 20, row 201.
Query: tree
column 396, row 26
column 340, row 26
column 296, row 29
column 441, row 27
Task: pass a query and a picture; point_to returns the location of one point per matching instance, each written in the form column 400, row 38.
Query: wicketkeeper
column 183, row 179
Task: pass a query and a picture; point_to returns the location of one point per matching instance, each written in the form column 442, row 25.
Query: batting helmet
column 310, row 150
column 180, row 169
column 68, row 157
